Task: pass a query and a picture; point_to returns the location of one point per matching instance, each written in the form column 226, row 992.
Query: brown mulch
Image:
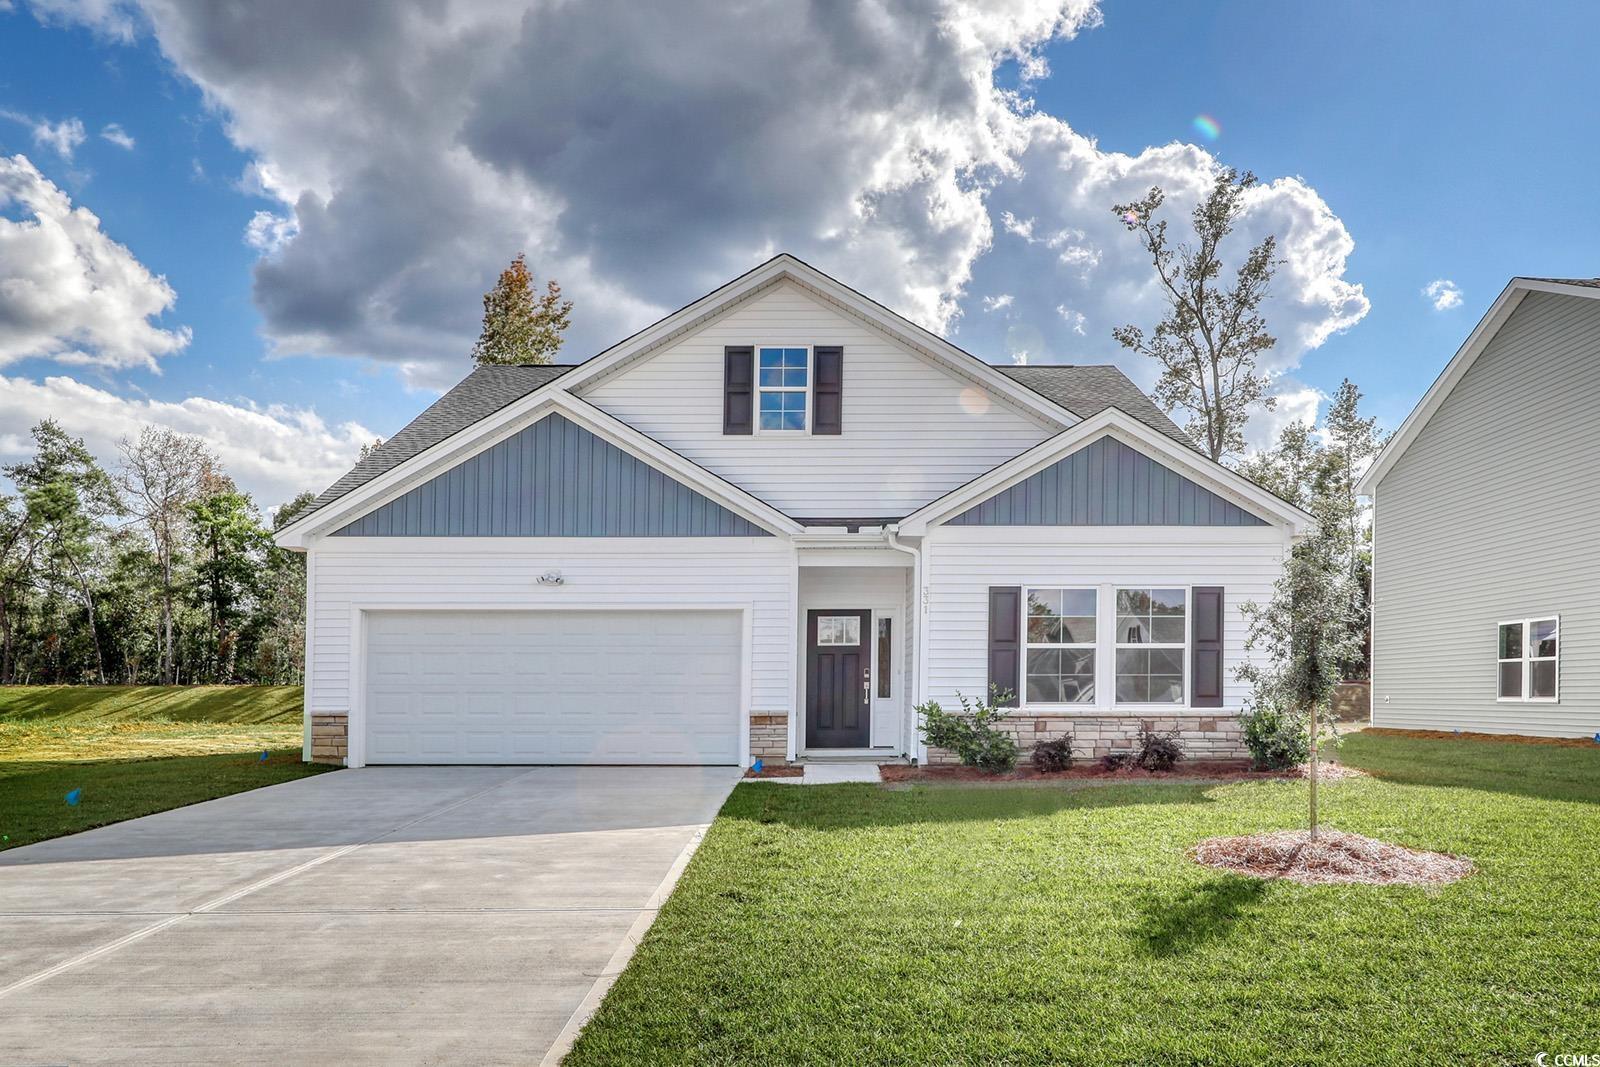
column 1451, row 735
column 790, row 771
column 1188, row 770
column 1334, row 858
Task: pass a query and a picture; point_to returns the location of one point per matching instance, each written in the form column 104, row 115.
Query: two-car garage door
column 553, row 687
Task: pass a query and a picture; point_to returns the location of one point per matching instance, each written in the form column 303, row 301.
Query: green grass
column 1064, row 924
column 137, row 750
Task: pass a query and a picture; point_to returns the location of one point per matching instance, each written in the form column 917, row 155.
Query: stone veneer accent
column 1214, row 736
column 769, row 737
column 330, row 737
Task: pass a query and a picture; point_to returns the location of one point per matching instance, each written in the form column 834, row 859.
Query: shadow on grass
column 1540, row 772
column 83, row 704
column 1176, row 925
column 854, row 806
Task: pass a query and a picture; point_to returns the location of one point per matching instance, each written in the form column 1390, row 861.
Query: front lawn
column 136, row 750
column 1062, row 923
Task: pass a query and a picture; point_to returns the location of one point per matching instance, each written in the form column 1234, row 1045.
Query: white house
column 768, row 526
column 1486, row 561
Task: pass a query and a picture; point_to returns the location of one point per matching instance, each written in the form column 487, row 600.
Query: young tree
column 1209, row 340
column 1288, row 466
column 162, row 474
column 230, row 548
column 518, row 326
column 18, row 542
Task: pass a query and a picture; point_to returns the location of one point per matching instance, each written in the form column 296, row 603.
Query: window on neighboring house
column 1152, row 640
column 1529, row 659
column 783, row 384
column 1060, row 640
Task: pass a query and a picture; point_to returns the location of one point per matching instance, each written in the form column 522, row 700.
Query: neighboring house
column 767, row 527
column 1486, row 560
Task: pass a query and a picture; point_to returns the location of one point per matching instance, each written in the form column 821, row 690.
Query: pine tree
column 518, row 326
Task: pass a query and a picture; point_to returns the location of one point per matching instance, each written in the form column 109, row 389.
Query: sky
column 271, row 225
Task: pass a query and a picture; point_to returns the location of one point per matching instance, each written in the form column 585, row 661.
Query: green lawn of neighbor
column 1064, row 924
column 136, row 750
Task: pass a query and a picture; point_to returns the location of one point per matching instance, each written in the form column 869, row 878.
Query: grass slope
column 942, row 924
column 69, row 705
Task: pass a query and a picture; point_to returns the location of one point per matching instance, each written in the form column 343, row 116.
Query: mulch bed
column 777, row 772
column 1335, row 857
column 1452, row 735
column 1207, row 770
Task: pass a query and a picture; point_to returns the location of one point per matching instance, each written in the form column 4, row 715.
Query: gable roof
column 1087, row 390
column 1488, row 326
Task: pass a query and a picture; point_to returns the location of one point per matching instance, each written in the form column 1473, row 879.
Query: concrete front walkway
column 383, row 915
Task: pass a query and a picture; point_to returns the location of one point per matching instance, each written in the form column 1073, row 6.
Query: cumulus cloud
column 272, row 452
column 1443, row 294
column 68, row 292
column 61, row 137
column 414, row 149
column 999, row 302
column 113, row 132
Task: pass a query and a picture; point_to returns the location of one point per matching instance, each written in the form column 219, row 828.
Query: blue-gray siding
column 1106, row 483
column 553, row 479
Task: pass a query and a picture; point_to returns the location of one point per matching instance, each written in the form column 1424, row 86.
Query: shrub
column 971, row 732
column 1052, row 756
column 1276, row 738
column 1158, row 751
column 1116, row 761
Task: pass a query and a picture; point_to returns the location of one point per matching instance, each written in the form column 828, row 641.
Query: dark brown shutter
column 1005, row 642
column 738, row 389
column 1205, row 657
column 828, row 392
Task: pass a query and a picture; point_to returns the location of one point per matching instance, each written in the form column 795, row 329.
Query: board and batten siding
column 467, row 573
column 911, row 430
column 1493, row 514
column 962, row 562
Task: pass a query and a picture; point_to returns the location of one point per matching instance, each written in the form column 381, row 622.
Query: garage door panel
column 553, row 687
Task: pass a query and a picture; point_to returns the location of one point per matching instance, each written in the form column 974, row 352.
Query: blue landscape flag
column 72, row 797
column 263, row 758
column 756, row 766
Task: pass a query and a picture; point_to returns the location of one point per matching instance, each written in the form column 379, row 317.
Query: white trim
column 807, row 389
column 307, row 674
column 508, row 421
column 356, row 722
column 1114, row 423
column 1527, row 660
column 1493, row 319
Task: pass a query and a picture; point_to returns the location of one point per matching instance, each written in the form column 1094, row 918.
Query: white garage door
column 553, row 687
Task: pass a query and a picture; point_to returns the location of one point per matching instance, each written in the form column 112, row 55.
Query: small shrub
column 971, row 732
column 1158, row 751
column 1276, row 738
column 1052, row 756
column 1116, row 761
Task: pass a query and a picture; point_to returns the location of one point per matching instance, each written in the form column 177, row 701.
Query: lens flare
column 1207, row 127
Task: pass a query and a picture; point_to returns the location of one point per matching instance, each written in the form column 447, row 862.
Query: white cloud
column 269, row 232
column 1443, row 294
column 113, row 132
column 62, row 138
column 1072, row 318
column 1296, row 403
column 272, row 452
column 68, row 292
column 998, row 303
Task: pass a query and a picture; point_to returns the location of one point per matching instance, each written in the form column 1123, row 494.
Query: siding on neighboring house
column 1106, row 483
column 493, row 572
column 911, row 431
column 552, row 479
column 1491, row 515
column 964, row 561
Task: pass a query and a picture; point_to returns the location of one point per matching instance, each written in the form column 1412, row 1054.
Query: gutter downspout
column 919, row 646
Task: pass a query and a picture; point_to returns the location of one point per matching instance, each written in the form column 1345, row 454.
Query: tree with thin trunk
column 162, row 473
column 230, row 563
column 18, row 542
column 520, row 327
column 1212, row 334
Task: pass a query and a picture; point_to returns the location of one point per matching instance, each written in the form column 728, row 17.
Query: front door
column 838, row 679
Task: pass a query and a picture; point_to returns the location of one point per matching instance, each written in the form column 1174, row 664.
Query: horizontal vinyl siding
column 646, row 572
column 1492, row 514
column 912, row 431
column 963, row 562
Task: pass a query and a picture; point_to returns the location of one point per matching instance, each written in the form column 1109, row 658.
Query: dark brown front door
column 838, row 679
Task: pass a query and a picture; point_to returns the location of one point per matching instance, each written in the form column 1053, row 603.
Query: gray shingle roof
column 1090, row 389
column 1592, row 283
column 480, row 394
column 1082, row 390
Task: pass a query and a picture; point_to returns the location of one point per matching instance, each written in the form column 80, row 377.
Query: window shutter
column 1205, row 655
column 828, row 392
column 738, row 389
column 1005, row 642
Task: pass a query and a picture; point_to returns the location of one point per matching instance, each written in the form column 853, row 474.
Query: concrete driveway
column 383, row 915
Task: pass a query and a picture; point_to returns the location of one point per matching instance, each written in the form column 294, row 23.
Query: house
column 1486, row 564
column 768, row 526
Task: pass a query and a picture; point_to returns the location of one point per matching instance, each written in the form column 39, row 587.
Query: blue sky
column 1447, row 142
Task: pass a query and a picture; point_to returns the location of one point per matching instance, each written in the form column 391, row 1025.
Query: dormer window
column 783, row 387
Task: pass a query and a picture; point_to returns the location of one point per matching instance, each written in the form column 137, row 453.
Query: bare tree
column 1208, row 343
column 162, row 473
